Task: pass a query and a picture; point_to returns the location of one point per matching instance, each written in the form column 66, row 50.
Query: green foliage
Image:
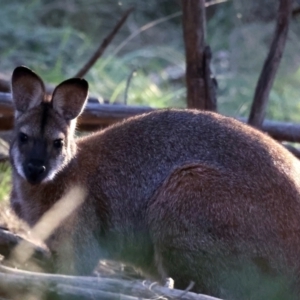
column 55, row 38
column 5, row 185
column 251, row 283
column 147, row 86
column 240, row 35
column 52, row 39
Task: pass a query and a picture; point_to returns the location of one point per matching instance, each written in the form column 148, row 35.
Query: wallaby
column 186, row 194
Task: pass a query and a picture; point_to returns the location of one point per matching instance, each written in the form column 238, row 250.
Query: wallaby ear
column 69, row 97
column 27, row 88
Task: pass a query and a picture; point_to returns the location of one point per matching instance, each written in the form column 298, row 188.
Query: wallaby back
column 177, row 193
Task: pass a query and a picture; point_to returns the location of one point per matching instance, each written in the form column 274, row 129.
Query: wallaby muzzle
column 35, row 171
column 34, row 166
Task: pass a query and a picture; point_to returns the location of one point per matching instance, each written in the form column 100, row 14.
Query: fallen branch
column 280, row 131
column 95, row 115
column 267, row 76
column 8, row 241
column 91, row 286
column 98, row 115
column 293, row 150
column 103, row 45
column 4, row 85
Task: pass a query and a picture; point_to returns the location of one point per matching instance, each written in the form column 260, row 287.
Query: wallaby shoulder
column 185, row 135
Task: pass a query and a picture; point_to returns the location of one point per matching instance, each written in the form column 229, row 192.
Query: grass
column 52, row 39
column 5, row 181
column 8, row 219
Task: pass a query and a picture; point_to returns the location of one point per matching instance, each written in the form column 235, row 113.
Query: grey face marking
column 33, row 153
column 45, row 116
column 35, row 166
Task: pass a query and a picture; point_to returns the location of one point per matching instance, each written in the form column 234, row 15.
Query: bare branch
column 211, row 84
column 8, row 241
column 280, row 131
column 293, row 150
column 4, row 86
column 98, row 115
column 271, row 65
column 127, row 85
column 103, row 45
column 87, row 286
column 157, row 22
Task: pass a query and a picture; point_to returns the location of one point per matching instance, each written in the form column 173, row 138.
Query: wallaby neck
column 46, row 193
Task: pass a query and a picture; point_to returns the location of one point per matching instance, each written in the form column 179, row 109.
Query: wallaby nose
column 35, row 168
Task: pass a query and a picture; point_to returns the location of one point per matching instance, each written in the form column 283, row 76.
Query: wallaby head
column 42, row 142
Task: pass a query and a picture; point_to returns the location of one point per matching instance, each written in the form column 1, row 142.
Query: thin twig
column 103, row 45
column 271, row 65
column 17, row 280
column 157, row 22
column 292, row 149
column 97, row 115
column 144, row 28
column 127, row 85
column 188, row 289
column 214, row 2
column 211, row 83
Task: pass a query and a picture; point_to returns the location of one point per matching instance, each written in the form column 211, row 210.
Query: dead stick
column 127, row 85
column 13, row 285
column 137, row 288
column 96, row 115
column 211, row 84
column 103, row 45
column 271, row 65
column 41, row 258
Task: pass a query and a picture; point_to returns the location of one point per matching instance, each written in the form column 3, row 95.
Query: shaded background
column 55, row 38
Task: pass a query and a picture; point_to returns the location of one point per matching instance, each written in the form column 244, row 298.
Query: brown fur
column 177, row 193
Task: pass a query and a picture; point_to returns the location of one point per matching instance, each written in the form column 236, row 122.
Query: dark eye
column 58, row 143
column 23, row 138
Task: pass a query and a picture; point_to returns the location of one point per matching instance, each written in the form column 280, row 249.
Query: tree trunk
column 200, row 86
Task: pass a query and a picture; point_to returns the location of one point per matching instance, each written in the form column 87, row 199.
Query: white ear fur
column 69, row 97
column 27, row 88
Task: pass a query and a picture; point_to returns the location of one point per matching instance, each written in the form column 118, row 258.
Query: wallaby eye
column 58, row 143
column 23, row 138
